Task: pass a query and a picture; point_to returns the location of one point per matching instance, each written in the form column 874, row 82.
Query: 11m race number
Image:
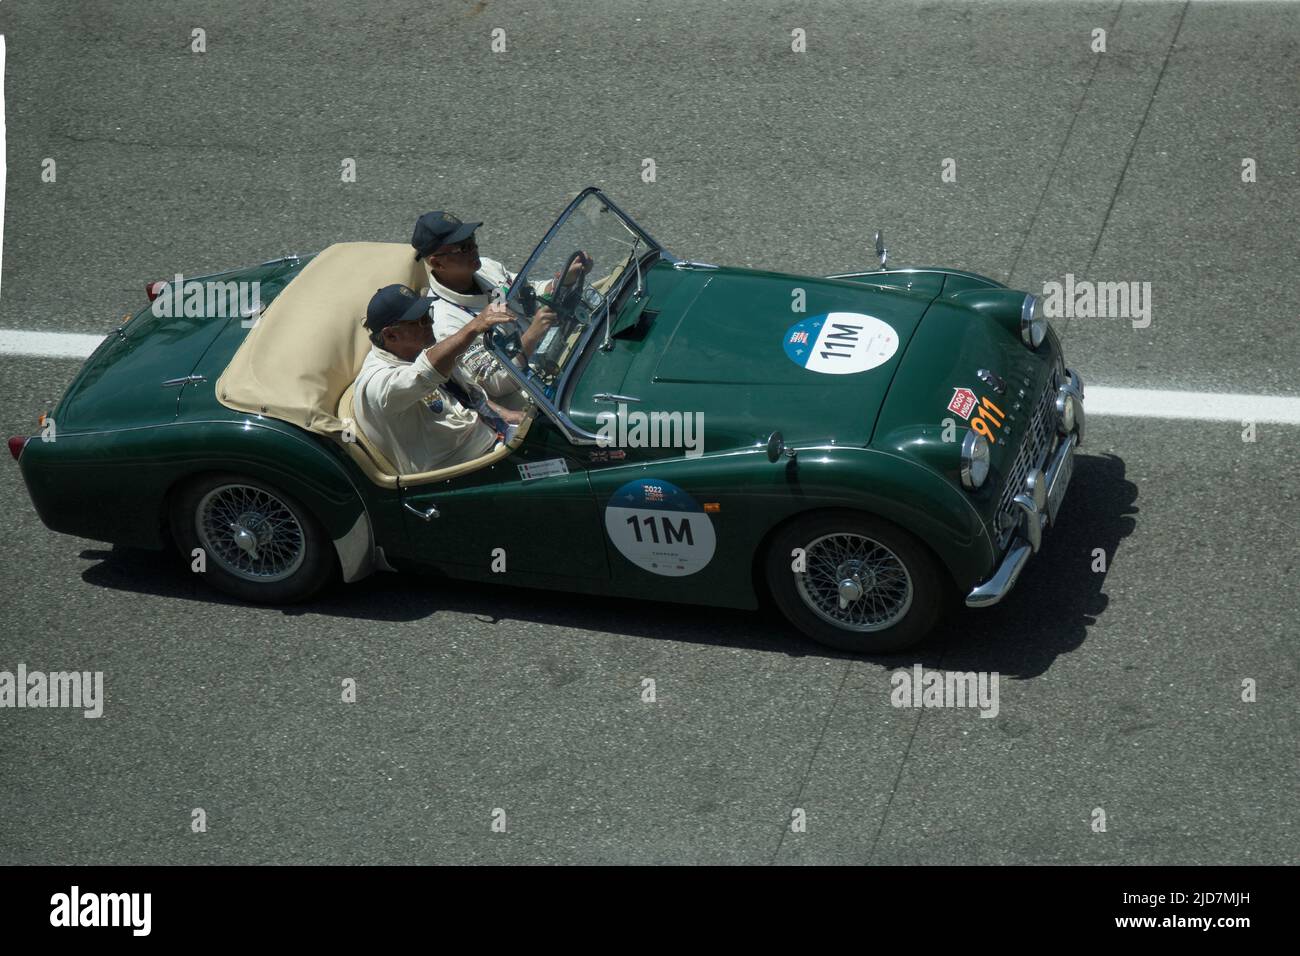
column 660, row 528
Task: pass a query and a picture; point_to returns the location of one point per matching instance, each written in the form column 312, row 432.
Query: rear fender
column 116, row 485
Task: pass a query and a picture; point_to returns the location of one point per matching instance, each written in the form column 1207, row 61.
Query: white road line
column 47, row 344
column 1201, row 406
column 1101, row 400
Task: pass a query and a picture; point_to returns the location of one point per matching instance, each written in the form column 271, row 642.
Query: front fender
column 753, row 497
column 902, row 490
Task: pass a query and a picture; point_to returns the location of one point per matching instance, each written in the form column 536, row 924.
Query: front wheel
column 856, row 583
column 257, row 543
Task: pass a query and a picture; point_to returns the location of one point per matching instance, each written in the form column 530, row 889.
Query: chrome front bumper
column 1038, row 503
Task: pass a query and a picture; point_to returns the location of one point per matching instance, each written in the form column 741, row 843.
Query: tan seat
column 360, row 448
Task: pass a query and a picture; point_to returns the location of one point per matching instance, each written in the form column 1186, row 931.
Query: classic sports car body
column 862, row 447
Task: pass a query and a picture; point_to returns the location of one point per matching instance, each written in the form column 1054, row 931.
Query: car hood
column 757, row 352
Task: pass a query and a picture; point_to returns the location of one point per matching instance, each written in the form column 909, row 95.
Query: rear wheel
column 259, row 544
column 862, row 584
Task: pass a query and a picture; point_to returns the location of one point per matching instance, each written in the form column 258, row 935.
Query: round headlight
column 974, row 460
column 1065, row 411
column 1033, row 324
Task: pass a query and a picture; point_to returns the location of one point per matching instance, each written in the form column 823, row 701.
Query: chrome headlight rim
column 1074, row 383
column 1066, row 406
column 1033, row 325
column 974, row 461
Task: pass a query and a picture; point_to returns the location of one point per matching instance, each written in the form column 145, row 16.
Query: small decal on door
column 543, row 469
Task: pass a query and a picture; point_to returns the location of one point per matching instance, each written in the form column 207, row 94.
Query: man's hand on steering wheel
column 566, row 288
column 578, row 265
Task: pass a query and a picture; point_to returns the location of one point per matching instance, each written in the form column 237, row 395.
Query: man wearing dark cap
column 402, row 403
column 463, row 284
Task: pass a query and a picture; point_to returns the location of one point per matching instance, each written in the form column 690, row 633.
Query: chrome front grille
column 1035, row 446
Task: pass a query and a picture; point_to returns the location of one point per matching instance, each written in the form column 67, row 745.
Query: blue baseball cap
column 393, row 304
column 436, row 229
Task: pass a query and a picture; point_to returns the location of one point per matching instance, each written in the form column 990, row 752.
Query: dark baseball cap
column 393, row 304
column 435, row 229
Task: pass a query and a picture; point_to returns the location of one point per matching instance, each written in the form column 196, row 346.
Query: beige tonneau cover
column 309, row 345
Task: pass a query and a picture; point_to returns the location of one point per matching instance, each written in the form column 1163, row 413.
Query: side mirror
column 776, row 448
column 881, row 252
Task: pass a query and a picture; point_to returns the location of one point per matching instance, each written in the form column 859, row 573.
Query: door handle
column 422, row 515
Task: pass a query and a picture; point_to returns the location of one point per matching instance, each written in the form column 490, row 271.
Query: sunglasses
column 424, row 321
column 460, row 248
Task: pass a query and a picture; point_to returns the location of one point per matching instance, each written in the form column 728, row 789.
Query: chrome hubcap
column 251, row 533
column 850, row 591
column 855, row 583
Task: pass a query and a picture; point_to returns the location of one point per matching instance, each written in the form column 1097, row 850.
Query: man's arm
column 442, row 355
column 507, row 415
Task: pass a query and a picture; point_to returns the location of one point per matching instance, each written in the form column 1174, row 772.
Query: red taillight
column 154, row 289
column 16, row 445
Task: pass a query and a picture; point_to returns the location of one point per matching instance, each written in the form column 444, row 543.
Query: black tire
column 903, row 589
column 287, row 555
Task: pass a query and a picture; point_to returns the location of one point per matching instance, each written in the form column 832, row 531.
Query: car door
column 531, row 513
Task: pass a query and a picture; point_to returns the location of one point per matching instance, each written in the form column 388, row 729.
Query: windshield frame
column 527, row 381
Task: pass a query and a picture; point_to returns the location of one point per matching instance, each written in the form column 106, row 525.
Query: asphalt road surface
column 1119, row 690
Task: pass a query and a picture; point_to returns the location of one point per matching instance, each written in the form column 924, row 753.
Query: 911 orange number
column 985, row 415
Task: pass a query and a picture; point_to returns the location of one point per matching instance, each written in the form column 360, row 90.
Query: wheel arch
column 354, row 550
column 758, row 573
column 297, row 466
column 898, row 489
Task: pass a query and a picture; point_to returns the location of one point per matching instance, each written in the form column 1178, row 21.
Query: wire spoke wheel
column 854, row 583
column 250, row 533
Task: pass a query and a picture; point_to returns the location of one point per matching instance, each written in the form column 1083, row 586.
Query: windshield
column 563, row 293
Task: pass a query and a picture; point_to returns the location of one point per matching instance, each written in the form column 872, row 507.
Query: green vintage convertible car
column 860, row 448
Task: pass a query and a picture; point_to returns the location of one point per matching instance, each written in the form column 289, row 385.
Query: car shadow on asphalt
column 1058, row 598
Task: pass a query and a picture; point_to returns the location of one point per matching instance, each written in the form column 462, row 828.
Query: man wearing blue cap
column 463, row 284
column 402, row 401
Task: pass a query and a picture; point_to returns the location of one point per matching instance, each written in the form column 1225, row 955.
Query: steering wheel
column 566, row 295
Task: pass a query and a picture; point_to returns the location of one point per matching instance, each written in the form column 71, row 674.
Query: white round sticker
column 840, row 343
column 659, row 527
